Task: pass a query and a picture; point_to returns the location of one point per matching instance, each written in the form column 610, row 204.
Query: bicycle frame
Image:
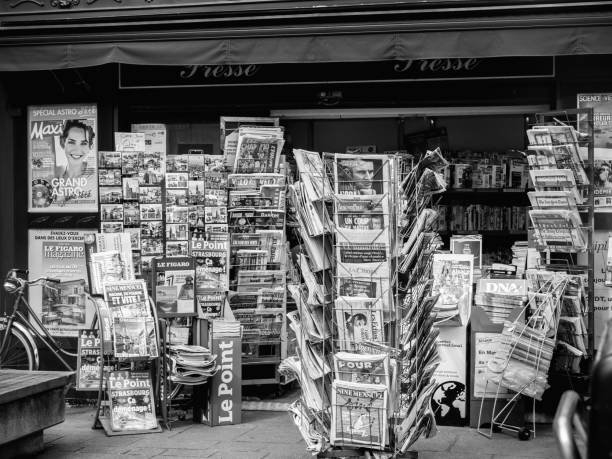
column 45, row 337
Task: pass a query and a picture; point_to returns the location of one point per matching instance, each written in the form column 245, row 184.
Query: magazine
column 359, row 414
column 361, row 174
column 362, row 368
column 88, row 361
column 174, row 286
column 210, row 303
column 132, row 405
column 135, row 337
column 211, row 264
column 127, row 298
column 452, row 279
column 469, row 245
column 63, row 158
column 358, row 319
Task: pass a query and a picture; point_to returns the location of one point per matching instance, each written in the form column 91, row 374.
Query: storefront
column 376, row 77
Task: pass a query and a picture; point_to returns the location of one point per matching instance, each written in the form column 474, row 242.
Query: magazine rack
column 562, row 227
column 102, row 415
column 367, row 268
column 262, row 311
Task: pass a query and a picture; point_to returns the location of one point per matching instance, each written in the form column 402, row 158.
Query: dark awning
column 331, row 38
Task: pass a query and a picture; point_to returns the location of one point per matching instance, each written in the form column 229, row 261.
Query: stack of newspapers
column 558, row 174
column 190, row 364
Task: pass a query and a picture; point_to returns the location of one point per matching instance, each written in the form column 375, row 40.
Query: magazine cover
column 88, row 361
column 131, row 400
column 361, row 174
column 452, row 279
column 362, row 368
column 63, row 308
column 359, row 414
column 468, row 245
column 108, row 267
column 601, row 103
column 358, row 319
column 211, row 264
column 174, row 286
column 130, row 141
column 63, row 158
column 134, row 337
column 210, row 303
column 127, row 298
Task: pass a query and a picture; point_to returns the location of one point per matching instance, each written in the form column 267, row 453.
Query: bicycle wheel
column 18, row 353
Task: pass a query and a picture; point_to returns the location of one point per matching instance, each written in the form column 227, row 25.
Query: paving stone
column 144, row 452
column 184, row 452
column 452, row 455
column 442, row 441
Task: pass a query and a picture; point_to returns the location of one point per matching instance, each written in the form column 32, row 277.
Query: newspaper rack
column 567, row 206
column 362, row 309
column 102, row 414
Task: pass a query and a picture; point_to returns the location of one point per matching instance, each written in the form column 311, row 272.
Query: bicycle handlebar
column 15, row 276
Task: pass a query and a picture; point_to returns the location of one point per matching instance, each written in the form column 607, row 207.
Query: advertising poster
column 131, row 400
column 603, row 294
column 602, row 132
column 59, row 253
column 63, row 158
column 448, row 400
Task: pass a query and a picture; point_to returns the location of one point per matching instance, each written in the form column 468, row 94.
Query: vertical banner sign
column 448, row 400
column 485, row 345
column 62, row 307
column 63, row 158
column 225, row 403
column 602, row 133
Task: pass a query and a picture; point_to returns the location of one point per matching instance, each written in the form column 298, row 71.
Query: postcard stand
column 101, row 418
column 406, row 337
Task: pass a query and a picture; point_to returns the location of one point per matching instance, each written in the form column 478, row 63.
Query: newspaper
column 358, row 319
column 89, row 362
column 359, row 415
column 258, row 150
column 555, row 180
column 132, row 405
column 362, row 368
column 135, row 337
column 311, row 355
column 312, row 175
column 361, row 174
column 552, row 199
column 108, row 267
column 559, row 229
column 229, row 129
column 127, row 299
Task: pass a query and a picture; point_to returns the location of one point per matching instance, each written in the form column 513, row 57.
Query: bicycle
column 18, row 348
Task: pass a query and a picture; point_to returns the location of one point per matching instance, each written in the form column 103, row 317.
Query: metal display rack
column 102, row 413
column 406, row 338
column 531, row 336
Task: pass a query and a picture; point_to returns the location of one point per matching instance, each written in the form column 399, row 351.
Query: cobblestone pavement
column 266, row 435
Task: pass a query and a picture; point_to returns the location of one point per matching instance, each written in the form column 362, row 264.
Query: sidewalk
column 267, row 435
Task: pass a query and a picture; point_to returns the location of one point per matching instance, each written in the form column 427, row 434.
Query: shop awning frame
column 305, row 34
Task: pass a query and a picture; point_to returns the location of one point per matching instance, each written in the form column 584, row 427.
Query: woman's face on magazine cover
column 76, row 146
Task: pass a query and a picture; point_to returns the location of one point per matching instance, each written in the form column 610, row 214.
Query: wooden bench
column 30, row 401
